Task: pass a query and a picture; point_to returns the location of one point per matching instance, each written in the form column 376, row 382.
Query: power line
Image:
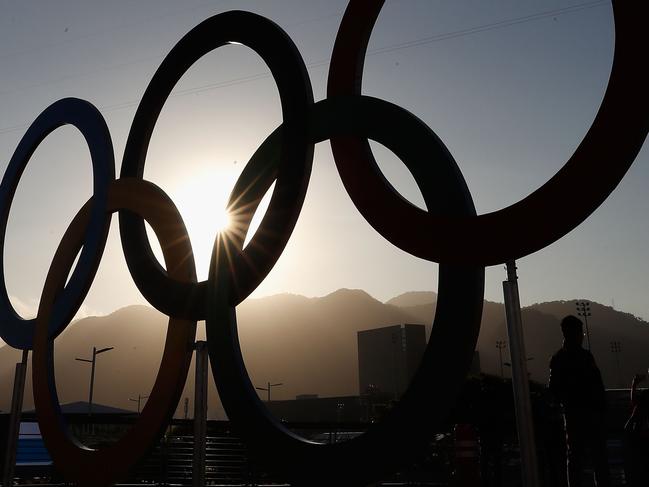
column 382, row 50
column 487, row 27
column 136, row 62
column 111, row 31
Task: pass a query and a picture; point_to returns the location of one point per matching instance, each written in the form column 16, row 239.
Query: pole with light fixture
column 268, row 388
column 583, row 310
column 95, row 352
column 520, row 380
column 500, row 345
column 138, row 401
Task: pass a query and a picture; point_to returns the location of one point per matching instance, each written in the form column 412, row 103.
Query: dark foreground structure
column 407, row 430
column 487, row 412
column 227, row 460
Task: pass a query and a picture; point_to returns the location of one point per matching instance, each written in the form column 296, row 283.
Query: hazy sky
column 510, row 92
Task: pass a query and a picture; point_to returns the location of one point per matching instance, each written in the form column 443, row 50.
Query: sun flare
column 222, row 221
column 202, row 201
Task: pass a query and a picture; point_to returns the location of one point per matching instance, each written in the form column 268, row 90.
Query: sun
column 222, row 221
column 202, row 200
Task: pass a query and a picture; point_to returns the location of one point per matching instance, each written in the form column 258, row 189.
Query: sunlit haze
column 202, row 199
column 510, row 88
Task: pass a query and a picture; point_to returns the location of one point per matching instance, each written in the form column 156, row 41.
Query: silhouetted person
column 551, row 438
column 577, row 384
column 493, row 418
column 637, row 436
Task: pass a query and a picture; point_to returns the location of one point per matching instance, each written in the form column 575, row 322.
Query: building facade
column 388, row 357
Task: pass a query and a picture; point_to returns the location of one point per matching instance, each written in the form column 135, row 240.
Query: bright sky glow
column 202, row 201
column 510, row 98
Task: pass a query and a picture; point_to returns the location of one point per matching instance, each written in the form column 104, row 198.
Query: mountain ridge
column 309, row 344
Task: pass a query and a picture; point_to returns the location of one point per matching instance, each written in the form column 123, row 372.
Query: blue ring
column 15, row 330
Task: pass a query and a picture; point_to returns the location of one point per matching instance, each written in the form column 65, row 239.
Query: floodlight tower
column 616, row 349
column 583, row 310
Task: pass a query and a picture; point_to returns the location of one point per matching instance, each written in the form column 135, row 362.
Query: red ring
column 561, row 204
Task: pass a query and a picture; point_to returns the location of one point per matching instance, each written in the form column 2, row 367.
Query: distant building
column 301, row 397
column 388, row 357
column 81, row 408
column 314, row 409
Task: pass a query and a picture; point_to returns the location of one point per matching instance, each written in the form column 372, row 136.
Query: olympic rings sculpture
column 469, row 241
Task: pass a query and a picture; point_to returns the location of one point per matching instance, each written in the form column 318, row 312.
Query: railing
column 228, row 463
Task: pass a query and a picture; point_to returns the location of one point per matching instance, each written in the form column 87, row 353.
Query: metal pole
column 200, row 415
column 619, row 373
column 92, row 379
column 520, row 382
column 139, row 402
column 14, row 421
column 268, row 387
column 502, row 373
column 616, row 348
column 394, row 366
column 500, row 344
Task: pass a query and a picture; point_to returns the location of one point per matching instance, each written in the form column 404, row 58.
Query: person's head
column 573, row 330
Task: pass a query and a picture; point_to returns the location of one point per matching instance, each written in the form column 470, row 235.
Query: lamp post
column 520, row 381
column 95, row 352
column 509, row 364
column 13, row 430
column 500, row 345
column 268, row 387
column 583, row 310
column 138, row 401
column 616, row 349
column 199, row 457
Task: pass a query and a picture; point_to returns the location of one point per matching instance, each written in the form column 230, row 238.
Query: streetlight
column 268, row 387
column 500, row 345
column 616, row 349
column 95, row 352
column 583, row 310
column 138, row 401
column 508, row 364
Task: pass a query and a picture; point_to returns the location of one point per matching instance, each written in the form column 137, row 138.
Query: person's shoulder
column 578, row 353
column 562, row 352
column 558, row 356
column 588, row 354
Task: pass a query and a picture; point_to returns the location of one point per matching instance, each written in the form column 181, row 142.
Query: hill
column 309, row 345
column 413, row 298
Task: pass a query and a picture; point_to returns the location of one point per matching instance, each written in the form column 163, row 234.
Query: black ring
column 447, row 359
column 187, row 300
column 14, row 330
